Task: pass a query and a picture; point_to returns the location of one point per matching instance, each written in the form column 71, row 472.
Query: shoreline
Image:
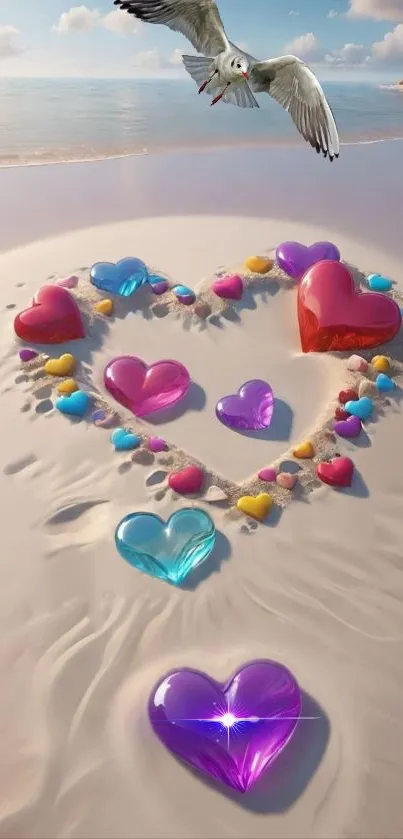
column 190, row 149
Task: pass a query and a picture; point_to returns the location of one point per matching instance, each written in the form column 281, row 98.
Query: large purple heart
column 231, row 731
column 251, row 409
column 295, row 259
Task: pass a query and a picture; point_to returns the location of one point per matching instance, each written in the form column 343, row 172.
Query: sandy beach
column 319, row 587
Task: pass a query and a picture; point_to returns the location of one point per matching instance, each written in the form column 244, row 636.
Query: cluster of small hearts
column 234, row 731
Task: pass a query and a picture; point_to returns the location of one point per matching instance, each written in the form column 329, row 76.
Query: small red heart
column 188, row 481
column 340, row 414
column 337, row 473
column 334, row 316
column 347, row 396
column 53, row 318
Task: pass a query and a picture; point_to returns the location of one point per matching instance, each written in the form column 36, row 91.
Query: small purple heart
column 268, row 474
column 68, row 282
column 27, row 354
column 231, row 731
column 159, row 288
column 157, row 444
column 348, row 428
column 295, row 259
column 251, row 409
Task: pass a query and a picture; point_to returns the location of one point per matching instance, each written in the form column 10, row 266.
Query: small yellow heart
column 256, row 507
column 381, row 364
column 104, row 307
column 62, row 366
column 259, row 265
column 68, row 386
column 304, row 450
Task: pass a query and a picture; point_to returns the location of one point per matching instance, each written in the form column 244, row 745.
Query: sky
column 339, row 39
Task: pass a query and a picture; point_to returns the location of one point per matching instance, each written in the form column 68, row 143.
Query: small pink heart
column 286, row 480
column 68, row 282
column 229, row 288
column 267, row 474
column 357, row 364
column 156, row 444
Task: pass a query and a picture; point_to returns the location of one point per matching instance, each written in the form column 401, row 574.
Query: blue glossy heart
column 75, row 405
column 384, row 383
column 166, row 550
column 124, row 440
column 184, row 294
column 122, row 278
column 377, row 282
column 361, row 408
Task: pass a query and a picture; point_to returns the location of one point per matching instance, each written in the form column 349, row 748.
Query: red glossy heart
column 341, row 414
column 349, row 395
column 53, row 318
column 186, row 482
column 333, row 315
column 337, row 473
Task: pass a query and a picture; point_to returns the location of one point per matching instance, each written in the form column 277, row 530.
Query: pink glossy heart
column 268, row 474
column 286, row 480
column 68, row 282
column 229, row 288
column 146, row 389
column 188, row 481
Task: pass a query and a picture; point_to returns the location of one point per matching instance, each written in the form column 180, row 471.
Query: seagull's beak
column 245, row 75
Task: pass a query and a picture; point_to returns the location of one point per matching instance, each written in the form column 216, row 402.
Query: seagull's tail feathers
column 200, row 69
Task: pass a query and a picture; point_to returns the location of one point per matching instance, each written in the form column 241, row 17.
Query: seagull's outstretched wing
column 198, row 20
column 293, row 85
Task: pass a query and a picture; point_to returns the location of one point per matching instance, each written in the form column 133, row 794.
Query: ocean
column 45, row 121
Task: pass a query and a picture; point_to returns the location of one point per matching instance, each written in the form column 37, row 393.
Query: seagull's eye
column 239, row 66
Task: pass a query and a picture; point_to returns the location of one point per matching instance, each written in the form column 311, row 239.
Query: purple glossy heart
column 295, row 259
column 230, row 731
column 348, row 428
column 251, row 409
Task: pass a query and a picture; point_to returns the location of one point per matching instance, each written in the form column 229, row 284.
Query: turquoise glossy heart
column 124, row 440
column 122, row 278
column 75, row 405
column 361, row 408
column 384, row 383
column 168, row 550
column 377, row 282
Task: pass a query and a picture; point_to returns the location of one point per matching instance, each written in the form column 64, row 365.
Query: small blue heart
column 182, row 292
column 75, row 405
column 124, row 440
column 122, row 278
column 377, row 282
column 166, row 550
column 384, row 383
column 361, row 408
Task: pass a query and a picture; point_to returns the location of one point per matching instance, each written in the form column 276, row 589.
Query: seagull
column 224, row 71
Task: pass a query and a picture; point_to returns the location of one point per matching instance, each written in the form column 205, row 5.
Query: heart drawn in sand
column 53, row 318
column 251, row 409
column 295, row 259
column 333, row 315
column 166, row 550
column 231, row 732
column 146, row 389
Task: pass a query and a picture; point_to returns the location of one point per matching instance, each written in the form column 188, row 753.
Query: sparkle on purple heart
column 251, row 409
column 231, row 731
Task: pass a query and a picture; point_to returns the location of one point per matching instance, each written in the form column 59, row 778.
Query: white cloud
column 332, row 14
column 306, row 47
column 149, row 60
column 9, row 43
column 84, row 19
column 119, row 23
column 176, row 58
column 293, row 14
column 391, row 48
column 77, row 19
column 377, row 9
column 351, row 55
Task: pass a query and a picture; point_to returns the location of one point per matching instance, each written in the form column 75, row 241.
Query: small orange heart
column 286, row 480
column 304, row 450
column 104, row 307
column 381, row 364
column 259, row 264
column 60, row 366
column 68, row 386
column 257, row 507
